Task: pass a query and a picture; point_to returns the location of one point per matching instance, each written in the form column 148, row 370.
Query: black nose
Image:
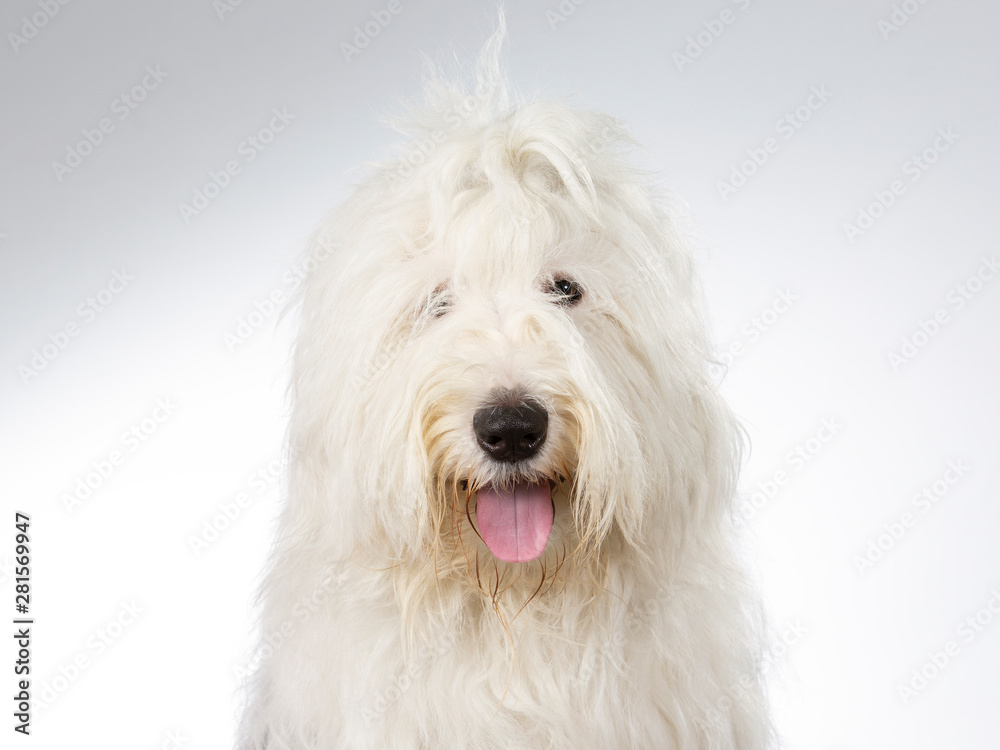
column 511, row 433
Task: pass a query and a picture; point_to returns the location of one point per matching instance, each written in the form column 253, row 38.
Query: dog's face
column 503, row 356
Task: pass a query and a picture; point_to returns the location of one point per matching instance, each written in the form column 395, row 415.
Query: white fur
column 388, row 624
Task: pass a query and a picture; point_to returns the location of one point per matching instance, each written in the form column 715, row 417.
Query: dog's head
column 502, row 362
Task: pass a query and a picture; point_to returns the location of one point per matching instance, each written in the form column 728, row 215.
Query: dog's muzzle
column 515, row 519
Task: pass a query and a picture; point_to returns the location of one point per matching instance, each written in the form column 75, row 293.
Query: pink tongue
column 515, row 523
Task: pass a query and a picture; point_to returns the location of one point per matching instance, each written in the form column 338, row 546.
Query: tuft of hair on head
column 472, row 93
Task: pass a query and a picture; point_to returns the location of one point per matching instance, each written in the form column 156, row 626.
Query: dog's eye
column 566, row 291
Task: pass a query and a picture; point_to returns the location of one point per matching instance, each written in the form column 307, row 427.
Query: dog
column 509, row 513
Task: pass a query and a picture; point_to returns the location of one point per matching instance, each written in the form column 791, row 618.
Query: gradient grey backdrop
column 854, row 636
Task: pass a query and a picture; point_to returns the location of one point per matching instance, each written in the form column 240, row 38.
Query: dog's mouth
column 515, row 520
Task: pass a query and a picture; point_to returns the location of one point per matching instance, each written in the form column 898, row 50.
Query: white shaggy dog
column 509, row 510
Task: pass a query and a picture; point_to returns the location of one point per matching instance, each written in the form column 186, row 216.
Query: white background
column 855, row 635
